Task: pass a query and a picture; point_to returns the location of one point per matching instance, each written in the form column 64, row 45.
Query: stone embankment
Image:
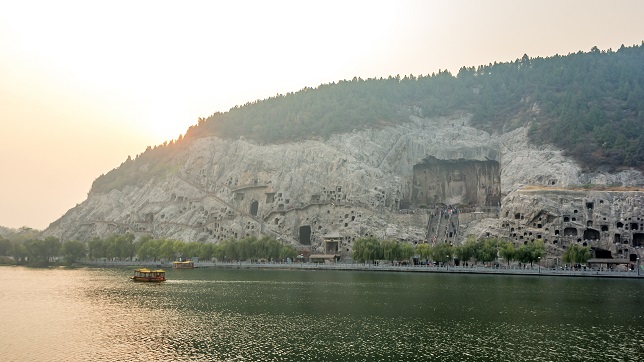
column 512, row 270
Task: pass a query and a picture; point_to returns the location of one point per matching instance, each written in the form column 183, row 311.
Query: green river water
column 93, row 314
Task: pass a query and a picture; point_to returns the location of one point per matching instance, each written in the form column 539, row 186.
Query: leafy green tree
column 272, row 248
column 247, row 248
column 407, row 251
column 287, row 251
column 467, row 251
column 166, row 250
column 36, row 252
column 365, row 249
column 140, row 242
column 41, row 252
column 150, row 249
column 230, row 250
column 191, row 249
column 584, row 255
column 530, row 252
column 487, row 250
column 19, row 251
column 442, row 252
column 5, row 246
column 424, row 251
column 507, row 251
column 390, row 250
column 206, row 251
column 97, row 248
column 73, row 250
column 51, row 247
column 576, row 254
column 359, row 250
column 218, row 251
column 120, row 246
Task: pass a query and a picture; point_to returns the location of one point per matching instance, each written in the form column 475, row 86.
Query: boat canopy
column 146, row 270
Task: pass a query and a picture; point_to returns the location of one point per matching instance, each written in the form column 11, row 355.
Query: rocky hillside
column 352, row 184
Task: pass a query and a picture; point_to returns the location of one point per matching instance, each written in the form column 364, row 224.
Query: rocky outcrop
column 609, row 222
column 354, row 184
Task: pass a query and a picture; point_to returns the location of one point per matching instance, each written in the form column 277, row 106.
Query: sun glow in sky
column 84, row 84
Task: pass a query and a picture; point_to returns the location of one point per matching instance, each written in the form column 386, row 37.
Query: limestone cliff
column 610, row 222
column 354, row 184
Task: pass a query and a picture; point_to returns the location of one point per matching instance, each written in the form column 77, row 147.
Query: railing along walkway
column 477, row 269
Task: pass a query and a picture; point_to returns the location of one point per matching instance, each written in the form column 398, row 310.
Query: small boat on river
column 147, row 275
column 186, row 264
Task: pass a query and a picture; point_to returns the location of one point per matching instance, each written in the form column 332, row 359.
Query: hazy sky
column 84, row 84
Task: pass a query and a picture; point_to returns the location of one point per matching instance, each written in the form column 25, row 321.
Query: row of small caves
column 461, row 179
column 469, row 181
column 215, row 220
column 314, row 227
column 625, row 235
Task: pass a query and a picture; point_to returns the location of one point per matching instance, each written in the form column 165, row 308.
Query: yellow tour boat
column 186, row 264
column 147, row 275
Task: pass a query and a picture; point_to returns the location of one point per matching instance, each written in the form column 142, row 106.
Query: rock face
column 610, row 222
column 358, row 184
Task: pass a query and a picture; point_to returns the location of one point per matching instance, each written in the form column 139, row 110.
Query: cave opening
column 254, row 206
column 305, row 234
column 638, row 240
column 591, row 234
column 602, row 253
column 570, row 232
column 270, row 197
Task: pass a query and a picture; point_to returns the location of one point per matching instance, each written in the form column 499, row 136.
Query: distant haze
column 85, row 84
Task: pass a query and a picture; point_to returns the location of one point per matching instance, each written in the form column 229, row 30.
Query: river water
column 93, row 314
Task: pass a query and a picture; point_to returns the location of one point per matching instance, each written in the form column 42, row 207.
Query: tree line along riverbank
column 489, row 255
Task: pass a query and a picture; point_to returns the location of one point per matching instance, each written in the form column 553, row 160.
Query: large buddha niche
column 452, row 182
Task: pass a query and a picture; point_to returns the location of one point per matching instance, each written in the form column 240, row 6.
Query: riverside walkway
column 477, row 269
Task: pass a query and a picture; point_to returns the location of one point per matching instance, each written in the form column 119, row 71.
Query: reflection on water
column 254, row 315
